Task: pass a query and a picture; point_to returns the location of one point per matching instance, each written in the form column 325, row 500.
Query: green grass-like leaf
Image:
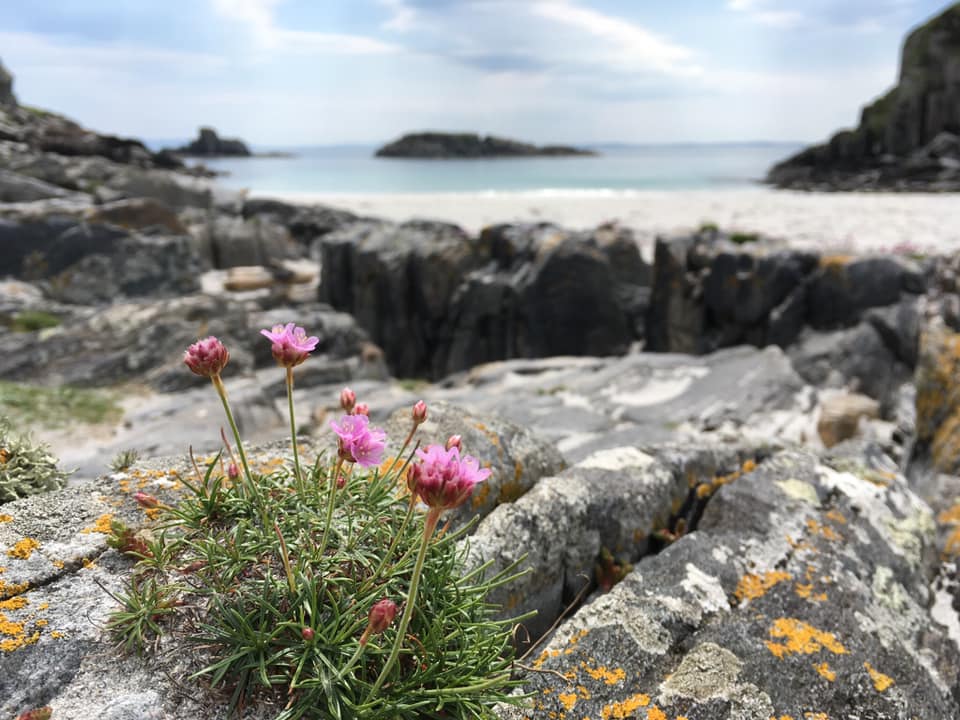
column 286, row 623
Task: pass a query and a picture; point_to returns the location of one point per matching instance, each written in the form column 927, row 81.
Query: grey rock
column 15, row 188
column 138, row 214
column 6, row 87
column 801, row 591
column 209, row 144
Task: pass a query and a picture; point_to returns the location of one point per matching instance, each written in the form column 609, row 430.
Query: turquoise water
column 353, row 169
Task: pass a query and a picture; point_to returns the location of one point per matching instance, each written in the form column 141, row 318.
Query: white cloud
column 402, row 16
column 258, row 17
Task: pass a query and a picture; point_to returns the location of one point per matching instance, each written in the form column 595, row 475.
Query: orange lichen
column 951, row 517
column 816, row 716
column 824, row 531
column 23, row 549
column 880, row 681
column 15, row 603
column 5, row 518
column 825, row 671
column 610, row 677
column 748, row 466
column 836, row 516
column 753, row 586
column 568, row 700
column 656, row 713
column 801, row 638
column 626, row 708
column 100, row 525
column 11, row 589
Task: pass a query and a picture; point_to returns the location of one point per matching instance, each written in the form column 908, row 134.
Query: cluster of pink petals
column 291, row 346
column 442, row 478
column 206, row 357
column 358, row 442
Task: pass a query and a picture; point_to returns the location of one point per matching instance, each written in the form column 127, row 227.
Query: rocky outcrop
column 438, row 301
column 209, row 144
column 6, row 88
column 909, row 139
column 468, row 145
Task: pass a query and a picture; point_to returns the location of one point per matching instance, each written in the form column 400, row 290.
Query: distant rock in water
column 909, row 139
column 6, row 87
column 468, row 145
column 209, row 144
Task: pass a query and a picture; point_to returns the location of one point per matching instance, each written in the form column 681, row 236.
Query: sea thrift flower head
column 145, row 500
column 381, row 615
column 361, row 409
column 291, row 346
column 442, row 478
column 453, row 442
column 420, row 412
column 206, row 357
column 357, row 442
column 348, row 398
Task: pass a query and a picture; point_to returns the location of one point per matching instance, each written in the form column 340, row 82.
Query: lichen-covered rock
column 938, row 397
column 802, row 593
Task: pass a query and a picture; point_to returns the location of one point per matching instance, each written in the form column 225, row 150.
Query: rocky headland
column 908, row 139
column 469, row 145
column 729, row 469
column 209, row 144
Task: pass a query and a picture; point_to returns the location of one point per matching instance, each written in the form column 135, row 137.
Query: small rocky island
column 209, row 144
column 908, row 139
column 469, row 145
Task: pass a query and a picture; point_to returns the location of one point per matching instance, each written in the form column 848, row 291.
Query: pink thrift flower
column 442, row 478
column 361, row 409
column 357, row 442
column 420, row 412
column 206, row 357
column 348, row 398
column 291, row 346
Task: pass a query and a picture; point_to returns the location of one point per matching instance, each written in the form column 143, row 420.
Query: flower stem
column 393, row 543
column 293, row 434
column 428, row 527
column 222, row 392
column 330, row 503
column 361, row 646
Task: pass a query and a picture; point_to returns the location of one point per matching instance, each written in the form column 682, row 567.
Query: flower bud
column 145, row 500
column 361, row 409
column 206, row 357
column 341, row 482
column 307, row 634
column 233, row 472
column 381, row 615
column 420, row 412
column 348, row 399
column 453, row 442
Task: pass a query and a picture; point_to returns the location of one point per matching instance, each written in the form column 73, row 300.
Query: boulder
column 802, row 592
column 305, row 223
column 840, row 416
column 844, row 287
column 397, row 280
column 138, row 214
column 15, row 188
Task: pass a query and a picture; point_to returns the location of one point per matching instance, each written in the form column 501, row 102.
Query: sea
column 353, row 169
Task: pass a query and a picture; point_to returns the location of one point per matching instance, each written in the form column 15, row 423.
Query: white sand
column 842, row 222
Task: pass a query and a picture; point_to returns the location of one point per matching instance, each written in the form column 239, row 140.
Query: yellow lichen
column 5, row 518
column 824, row 531
column 610, row 677
column 880, row 681
column 626, row 708
column 753, row 586
column 11, row 589
column 656, row 713
column 801, row 638
column 825, row 671
column 816, row 716
column 23, row 549
column 14, row 603
column 568, row 700
column 101, row 525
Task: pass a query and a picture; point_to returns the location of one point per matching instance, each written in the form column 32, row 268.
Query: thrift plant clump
column 324, row 589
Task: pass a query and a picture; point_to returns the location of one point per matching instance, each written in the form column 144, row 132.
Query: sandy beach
column 841, row 222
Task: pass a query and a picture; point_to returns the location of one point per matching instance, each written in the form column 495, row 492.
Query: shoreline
column 840, row 222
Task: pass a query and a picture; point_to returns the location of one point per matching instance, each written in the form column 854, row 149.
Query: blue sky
column 293, row 72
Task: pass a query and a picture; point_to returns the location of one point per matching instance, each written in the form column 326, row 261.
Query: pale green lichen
column 799, row 490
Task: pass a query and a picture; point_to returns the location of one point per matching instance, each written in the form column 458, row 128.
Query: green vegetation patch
column 26, row 468
column 279, row 588
column 33, row 320
column 57, row 406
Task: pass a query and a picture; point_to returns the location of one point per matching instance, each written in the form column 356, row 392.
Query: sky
column 314, row 72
